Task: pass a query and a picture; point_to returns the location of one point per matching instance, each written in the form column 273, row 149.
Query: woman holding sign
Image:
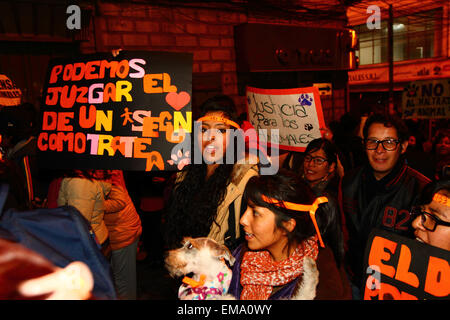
column 207, row 196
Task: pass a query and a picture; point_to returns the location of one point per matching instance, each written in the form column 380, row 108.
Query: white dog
column 205, row 258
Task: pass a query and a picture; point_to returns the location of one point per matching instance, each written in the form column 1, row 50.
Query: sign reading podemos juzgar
column 127, row 112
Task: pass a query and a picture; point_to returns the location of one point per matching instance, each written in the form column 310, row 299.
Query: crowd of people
column 322, row 203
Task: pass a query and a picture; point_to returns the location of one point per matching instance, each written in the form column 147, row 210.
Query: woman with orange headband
column 206, row 200
column 283, row 224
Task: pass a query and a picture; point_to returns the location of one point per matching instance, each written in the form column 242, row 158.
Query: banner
column 128, row 112
column 10, row 95
column 296, row 113
column 399, row 268
column 411, row 71
column 428, row 99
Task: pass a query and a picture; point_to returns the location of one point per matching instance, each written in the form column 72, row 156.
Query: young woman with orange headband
column 206, row 200
column 284, row 223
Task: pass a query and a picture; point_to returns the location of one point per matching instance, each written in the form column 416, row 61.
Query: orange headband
column 301, row 207
column 442, row 199
column 220, row 119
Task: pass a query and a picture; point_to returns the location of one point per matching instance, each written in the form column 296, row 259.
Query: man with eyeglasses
column 431, row 215
column 380, row 193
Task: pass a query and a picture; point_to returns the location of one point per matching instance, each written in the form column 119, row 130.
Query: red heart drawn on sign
column 178, row 100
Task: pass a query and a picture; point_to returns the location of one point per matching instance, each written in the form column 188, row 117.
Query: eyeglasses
column 428, row 220
column 318, row 161
column 388, row 144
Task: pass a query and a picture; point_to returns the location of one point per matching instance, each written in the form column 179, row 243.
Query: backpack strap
column 230, row 235
column 231, row 242
column 3, row 195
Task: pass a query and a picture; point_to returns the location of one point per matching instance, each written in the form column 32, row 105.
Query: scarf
column 259, row 273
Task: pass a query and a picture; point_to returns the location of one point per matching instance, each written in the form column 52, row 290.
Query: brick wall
column 333, row 106
column 205, row 32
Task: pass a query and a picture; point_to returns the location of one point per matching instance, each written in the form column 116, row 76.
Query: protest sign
column 427, row 99
column 399, row 268
column 127, row 112
column 296, row 113
column 10, row 95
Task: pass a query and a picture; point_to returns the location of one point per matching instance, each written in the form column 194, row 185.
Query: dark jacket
column 24, row 154
column 366, row 203
column 333, row 283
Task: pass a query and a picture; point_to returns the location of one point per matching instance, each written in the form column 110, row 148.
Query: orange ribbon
column 195, row 284
column 442, row 199
column 301, row 207
column 219, row 119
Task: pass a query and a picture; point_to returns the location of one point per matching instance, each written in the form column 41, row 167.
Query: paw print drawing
column 305, row 100
column 180, row 159
column 308, row 126
column 411, row 90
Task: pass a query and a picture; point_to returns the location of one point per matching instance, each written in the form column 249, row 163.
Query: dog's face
column 197, row 255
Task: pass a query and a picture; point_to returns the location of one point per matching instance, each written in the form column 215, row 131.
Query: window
column 414, row 38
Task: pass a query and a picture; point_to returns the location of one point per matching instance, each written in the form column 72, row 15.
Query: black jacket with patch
column 366, row 204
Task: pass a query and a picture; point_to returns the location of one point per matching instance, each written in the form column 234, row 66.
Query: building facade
column 205, row 29
column 421, row 49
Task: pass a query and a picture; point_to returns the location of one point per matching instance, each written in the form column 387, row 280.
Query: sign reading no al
column 427, row 99
column 296, row 113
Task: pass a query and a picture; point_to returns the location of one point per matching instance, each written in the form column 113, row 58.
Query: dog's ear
column 222, row 252
column 187, row 241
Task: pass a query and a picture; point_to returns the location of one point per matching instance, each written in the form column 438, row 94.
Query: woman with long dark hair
column 284, row 223
column 207, row 197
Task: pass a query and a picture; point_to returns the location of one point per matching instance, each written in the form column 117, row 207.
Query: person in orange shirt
column 124, row 226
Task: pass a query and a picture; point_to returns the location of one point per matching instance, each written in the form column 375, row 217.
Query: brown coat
column 333, row 282
column 88, row 196
column 240, row 175
column 235, row 190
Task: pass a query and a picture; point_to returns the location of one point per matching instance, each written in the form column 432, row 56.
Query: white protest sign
column 296, row 113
